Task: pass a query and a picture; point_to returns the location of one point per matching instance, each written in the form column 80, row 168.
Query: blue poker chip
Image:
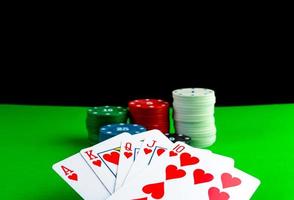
column 112, row 130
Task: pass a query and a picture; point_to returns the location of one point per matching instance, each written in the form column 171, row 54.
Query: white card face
column 230, row 184
column 75, row 171
column 128, row 153
column 152, row 148
column 103, row 158
column 199, row 174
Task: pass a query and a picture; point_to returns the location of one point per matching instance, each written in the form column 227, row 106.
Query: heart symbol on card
column 172, row 172
column 187, row 159
column 97, row 163
column 155, row 189
column 146, row 150
column 128, row 154
column 201, row 177
column 172, row 153
column 160, row 151
column 215, row 194
column 73, row 177
column 112, row 157
column 229, row 181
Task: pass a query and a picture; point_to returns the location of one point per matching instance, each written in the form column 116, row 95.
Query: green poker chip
column 101, row 116
column 110, row 111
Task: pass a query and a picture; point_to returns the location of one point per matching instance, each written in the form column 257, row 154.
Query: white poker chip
column 193, row 92
column 194, row 115
column 184, row 118
column 203, row 144
column 193, row 128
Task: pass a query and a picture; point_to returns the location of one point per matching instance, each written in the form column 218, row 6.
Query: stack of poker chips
column 103, row 115
column 150, row 113
column 111, row 130
column 194, row 115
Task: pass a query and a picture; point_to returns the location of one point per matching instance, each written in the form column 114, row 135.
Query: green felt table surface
column 259, row 138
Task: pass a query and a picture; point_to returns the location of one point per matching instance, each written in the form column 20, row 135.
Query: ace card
column 76, row 172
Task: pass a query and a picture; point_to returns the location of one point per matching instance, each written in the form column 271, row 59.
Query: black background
column 72, row 62
column 89, row 88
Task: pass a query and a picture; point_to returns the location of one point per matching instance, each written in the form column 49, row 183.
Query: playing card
column 152, row 148
column 75, row 171
column 129, row 150
column 103, row 158
column 189, row 173
column 230, row 184
column 227, row 161
column 206, row 181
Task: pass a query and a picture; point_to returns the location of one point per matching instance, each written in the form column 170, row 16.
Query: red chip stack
column 150, row 113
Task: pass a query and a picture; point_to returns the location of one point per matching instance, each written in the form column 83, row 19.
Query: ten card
column 213, row 178
column 189, row 173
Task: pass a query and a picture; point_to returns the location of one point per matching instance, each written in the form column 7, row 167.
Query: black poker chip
column 175, row 137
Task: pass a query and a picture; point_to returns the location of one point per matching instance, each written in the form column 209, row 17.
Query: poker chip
column 103, row 115
column 112, row 130
column 175, row 137
column 150, row 113
column 194, row 115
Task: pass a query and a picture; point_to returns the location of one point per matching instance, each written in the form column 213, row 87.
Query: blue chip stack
column 112, row 130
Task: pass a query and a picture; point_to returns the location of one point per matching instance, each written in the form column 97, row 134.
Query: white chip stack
column 194, row 115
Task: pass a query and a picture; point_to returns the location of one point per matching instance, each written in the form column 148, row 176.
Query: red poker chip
column 146, row 124
column 150, row 113
column 148, row 121
column 151, row 104
column 150, row 118
column 150, row 110
column 144, row 111
column 163, row 129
